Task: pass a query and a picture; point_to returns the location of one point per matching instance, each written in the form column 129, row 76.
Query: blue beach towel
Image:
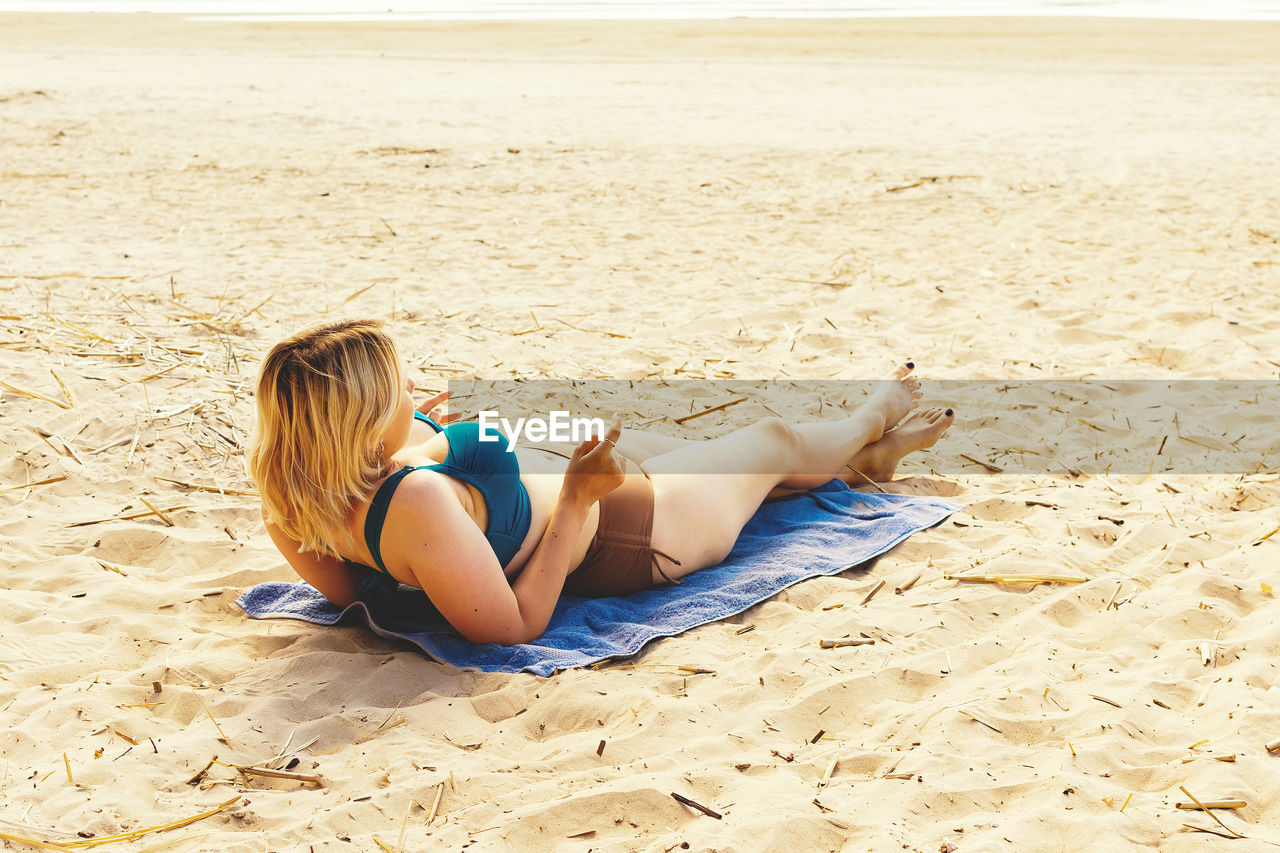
column 814, row 533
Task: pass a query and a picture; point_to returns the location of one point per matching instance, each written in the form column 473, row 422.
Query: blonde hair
column 324, row 397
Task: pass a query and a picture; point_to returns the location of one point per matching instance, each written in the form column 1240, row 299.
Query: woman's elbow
column 341, row 600
column 501, row 634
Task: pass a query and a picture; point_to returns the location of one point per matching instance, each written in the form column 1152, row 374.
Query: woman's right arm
column 455, row 565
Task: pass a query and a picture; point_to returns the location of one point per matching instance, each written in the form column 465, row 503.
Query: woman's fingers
column 602, row 448
column 433, row 402
column 607, row 444
column 615, row 464
column 429, row 407
column 595, row 468
column 614, row 432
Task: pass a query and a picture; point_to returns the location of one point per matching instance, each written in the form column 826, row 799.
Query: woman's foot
column 877, row 461
column 896, row 396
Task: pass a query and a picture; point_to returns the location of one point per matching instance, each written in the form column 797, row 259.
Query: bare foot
column 877, row 461
column 896, row 396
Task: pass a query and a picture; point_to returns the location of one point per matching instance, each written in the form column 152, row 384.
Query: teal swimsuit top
column 488, row 467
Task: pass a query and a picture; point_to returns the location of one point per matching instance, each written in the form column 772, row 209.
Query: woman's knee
column 777, row 431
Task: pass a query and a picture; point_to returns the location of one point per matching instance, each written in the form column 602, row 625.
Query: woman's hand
column 595, row 470
column 429, row 407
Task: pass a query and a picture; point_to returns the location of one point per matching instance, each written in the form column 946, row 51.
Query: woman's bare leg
column 641, row 446
column 870, row 466
column 706, row 491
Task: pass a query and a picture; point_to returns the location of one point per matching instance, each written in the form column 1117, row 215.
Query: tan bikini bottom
column 621, row 558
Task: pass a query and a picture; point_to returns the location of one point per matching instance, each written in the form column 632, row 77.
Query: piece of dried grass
column 81, row 843
column 1234, row 834
column 875, row 589
column 1020, row 578
column 1205, row 805
column 200, row 487
column 251, row 770
column 846, row 641
column 34, row 395
column 44, row 482
column 223, row 734
column 128, row 517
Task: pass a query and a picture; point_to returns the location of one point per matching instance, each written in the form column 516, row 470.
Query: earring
column 378, row 453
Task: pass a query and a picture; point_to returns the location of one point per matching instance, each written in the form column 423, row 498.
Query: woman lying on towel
column 360, row 488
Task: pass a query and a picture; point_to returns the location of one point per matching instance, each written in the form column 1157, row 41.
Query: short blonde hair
column 324, row 397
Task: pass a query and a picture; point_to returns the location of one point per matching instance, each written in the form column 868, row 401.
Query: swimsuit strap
column 654, row 555
column 378, row 515
column 374, row 522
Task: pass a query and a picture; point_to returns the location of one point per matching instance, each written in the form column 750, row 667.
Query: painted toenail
column 911, row 364
column 949, row 413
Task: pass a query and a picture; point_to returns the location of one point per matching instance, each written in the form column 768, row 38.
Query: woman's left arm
column 334, row 578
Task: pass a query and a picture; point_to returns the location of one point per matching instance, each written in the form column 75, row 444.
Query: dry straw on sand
column 1011, row 218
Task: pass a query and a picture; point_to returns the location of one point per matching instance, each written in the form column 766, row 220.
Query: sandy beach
column 708, row 201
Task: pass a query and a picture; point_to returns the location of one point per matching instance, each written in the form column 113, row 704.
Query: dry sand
column 995, row 199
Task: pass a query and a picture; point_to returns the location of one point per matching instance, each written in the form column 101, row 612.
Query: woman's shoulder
column 428, row 522
column 413, row 496
column 402, row 488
